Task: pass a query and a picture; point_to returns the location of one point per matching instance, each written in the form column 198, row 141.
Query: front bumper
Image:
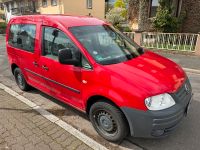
column 159, row 123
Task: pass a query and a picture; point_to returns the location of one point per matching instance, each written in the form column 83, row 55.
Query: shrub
column 121, row 4
column 127, row 29
column 3, row 26
column 118, row 15
column 164, row 20
column 115, row 17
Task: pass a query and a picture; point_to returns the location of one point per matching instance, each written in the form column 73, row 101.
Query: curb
column 85, row 139
column 192, row 70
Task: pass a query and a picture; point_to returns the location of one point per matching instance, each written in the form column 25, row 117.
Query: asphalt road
column 185, row 137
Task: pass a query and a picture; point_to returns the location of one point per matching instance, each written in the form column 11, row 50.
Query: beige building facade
column 48, row 7
column 95, row 8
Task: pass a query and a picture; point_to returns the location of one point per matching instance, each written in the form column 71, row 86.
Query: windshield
column 105, row 44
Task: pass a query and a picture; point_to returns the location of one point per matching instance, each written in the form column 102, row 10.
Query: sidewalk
column 186, row 61
column 23, row 128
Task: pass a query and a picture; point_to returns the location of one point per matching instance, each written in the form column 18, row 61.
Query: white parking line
column 87, row 140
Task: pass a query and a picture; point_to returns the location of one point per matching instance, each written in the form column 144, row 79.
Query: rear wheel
column 20, row 80
column 109, row 121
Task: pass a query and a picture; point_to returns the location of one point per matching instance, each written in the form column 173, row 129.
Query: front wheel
column 109, row 121
column 20, row 80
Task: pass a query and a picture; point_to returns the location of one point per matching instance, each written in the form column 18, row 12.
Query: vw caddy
column 93, row 67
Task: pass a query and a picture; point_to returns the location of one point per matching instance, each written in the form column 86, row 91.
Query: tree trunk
column 143, row 21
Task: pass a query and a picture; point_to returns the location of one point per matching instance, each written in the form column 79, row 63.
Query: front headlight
column 159, row 102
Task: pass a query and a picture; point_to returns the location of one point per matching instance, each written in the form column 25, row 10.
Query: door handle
column 35, row 64
column 45, row 67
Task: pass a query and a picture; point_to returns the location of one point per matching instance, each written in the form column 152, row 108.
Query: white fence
column 169, row 41
column 130, row 34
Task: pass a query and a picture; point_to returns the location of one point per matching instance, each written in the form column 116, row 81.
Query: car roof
column 65, row 20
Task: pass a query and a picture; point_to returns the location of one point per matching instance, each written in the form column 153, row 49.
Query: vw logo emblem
column 187, row 88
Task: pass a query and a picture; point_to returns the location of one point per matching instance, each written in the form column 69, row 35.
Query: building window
column 12, row 5
column 175, row 5
column 53, row 2
column 89, row 4
column 2, row 6
column 109, row 4
column 44, row 3
column 153, row 8
column 7, row 7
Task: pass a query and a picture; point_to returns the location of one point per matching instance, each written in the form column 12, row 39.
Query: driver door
column 63, row 81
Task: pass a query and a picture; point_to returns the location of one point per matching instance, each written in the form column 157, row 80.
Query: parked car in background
column 93, row 67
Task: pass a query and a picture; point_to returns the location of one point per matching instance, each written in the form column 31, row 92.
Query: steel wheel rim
column 105, row 123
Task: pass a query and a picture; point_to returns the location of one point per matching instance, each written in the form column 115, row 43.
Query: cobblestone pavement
column 23, row 128
column 66, row 113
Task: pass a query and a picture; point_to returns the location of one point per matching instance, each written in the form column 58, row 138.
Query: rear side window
column 22, row 36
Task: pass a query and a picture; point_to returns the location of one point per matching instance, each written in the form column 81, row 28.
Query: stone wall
column 190, row 10
column 191, row 23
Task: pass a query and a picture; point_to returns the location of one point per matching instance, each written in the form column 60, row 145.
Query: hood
column 149, row 72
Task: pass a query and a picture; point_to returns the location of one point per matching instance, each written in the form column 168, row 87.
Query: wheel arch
column 13, row 67
column 99, row 98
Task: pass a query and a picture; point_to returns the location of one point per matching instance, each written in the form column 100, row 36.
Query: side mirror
column 140, row 50
column 65, row 57
column 55, row 33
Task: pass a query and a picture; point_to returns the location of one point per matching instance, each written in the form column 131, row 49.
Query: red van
column 93, row 67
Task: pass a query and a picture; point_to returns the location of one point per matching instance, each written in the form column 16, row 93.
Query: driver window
column 53, row 41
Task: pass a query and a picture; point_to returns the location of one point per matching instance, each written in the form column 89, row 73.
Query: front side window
column 22, row 36
column 105, row 44
column 55, row 40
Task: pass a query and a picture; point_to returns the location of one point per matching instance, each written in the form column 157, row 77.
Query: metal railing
column 169, row 41
column 130, row 34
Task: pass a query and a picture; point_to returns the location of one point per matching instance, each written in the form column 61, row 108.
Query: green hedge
column 3, row 26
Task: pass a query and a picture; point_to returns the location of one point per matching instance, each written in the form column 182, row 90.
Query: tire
column 20, row 80
column 109, row 121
